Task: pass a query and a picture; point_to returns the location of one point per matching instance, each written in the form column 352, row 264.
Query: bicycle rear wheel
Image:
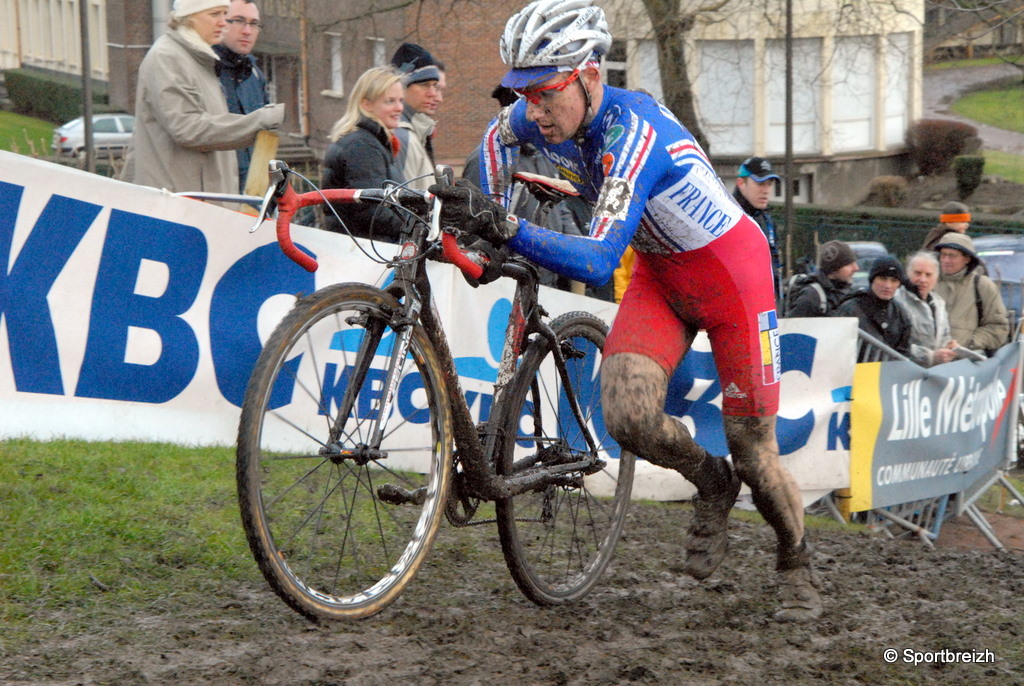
column 339, row 523
column 558, row 541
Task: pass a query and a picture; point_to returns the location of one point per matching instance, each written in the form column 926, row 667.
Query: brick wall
column 466, row 40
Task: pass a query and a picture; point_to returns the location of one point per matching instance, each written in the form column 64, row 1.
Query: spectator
column 875, row 310
column 363, row 154
column 955, row 217
column 754, row 183
column 977, row 315
column 184, row 136
column 245, row 86
column 560, row 218
column 821, row 293
column 423, row 95
column 930, row 340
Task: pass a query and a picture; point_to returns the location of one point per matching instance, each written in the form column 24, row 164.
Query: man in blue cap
column 754, row 185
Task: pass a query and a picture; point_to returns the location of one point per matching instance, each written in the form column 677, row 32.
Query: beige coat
column 412, row 134
column 184, row 136
column 958, row 290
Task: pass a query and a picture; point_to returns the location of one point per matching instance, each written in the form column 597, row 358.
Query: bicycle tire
column 327, row 530
column 558, row 541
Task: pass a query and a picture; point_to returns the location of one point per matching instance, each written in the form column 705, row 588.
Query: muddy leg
column 755, row 453
column 633, row 401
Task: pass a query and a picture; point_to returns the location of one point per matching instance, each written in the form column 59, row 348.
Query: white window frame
column 337, row 66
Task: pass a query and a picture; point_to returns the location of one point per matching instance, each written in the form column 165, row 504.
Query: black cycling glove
column 466, row 207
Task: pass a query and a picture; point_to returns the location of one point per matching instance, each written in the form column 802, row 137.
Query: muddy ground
column 463, row 623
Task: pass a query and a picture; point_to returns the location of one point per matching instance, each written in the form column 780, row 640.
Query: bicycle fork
column 363, row 453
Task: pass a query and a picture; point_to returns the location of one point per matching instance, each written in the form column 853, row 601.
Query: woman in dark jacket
column 363, row 155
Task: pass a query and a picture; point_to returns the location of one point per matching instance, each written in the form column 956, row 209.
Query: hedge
column 54, row 97
column 901, row 231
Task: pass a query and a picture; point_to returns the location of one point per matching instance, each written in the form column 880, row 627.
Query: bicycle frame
column 477, row 446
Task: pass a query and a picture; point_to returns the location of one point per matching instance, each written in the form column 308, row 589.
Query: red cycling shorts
column 725, row 288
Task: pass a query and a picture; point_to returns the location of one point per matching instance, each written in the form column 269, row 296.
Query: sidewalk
column 941, row 87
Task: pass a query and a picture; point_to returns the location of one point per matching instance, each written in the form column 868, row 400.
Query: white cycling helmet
column 549, row 36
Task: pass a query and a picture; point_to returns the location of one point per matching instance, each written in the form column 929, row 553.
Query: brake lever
column 274, row 190
column 444, row 175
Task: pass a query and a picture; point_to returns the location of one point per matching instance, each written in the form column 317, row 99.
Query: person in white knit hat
column 184, row 138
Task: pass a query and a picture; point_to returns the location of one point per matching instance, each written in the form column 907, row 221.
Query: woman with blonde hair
column 363, row 154
column 185, row 138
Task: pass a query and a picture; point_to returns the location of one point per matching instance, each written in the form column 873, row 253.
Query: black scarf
column 239, row 66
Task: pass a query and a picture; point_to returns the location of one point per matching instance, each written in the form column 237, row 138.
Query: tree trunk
column 670, row 29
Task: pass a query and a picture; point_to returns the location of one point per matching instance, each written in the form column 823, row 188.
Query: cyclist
column 701, row 264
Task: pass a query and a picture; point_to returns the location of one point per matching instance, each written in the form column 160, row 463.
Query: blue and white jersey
column 649, row 181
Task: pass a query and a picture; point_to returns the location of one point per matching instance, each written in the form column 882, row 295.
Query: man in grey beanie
column 424, row 92
column 819, row 295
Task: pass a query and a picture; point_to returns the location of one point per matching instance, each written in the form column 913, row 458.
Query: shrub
column 54, row 97
column 968, row 170
column 933, row 143
column 887, row 191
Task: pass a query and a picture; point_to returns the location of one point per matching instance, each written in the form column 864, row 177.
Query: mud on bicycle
column 342, row 495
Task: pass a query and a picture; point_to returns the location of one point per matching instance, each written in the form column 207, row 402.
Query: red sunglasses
column 534, row 96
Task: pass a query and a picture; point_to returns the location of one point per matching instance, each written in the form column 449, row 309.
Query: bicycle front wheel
column 559, row 539
column 340, row 503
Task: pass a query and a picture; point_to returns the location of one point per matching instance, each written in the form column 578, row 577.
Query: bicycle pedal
column 396, row 495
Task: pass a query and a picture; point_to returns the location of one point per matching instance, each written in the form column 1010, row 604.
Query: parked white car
column 110, row 132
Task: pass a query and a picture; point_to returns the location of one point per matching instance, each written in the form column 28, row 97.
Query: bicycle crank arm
column 538, row 478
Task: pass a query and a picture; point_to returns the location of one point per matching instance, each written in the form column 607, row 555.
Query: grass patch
column 25, row 135
column 1004, row 164
column 998, row 499
column 959, row 64
column 89, row 526
column 1001, row 107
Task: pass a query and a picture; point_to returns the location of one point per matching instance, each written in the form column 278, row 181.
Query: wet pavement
column 942, row 87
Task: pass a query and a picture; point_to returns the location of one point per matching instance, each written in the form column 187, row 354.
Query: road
column 942, row 87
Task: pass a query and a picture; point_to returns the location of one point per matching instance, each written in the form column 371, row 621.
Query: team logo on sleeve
column 613, row 203
column 771, row 352
column 612, row 136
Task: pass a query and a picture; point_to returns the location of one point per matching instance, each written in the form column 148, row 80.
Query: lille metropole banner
column 918, row 435
column 127, row 313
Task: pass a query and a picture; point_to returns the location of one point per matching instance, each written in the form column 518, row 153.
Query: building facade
column 856, row 70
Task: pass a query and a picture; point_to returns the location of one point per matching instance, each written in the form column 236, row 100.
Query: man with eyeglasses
column 701, row 263
column 244, row 85
column 424, row 81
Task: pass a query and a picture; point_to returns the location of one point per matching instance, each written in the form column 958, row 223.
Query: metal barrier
column 920, row 518
column 923, row 518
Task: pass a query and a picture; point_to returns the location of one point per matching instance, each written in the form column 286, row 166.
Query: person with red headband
column 955, row 217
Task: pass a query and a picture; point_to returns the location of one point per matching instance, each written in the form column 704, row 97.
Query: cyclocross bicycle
column 342, row 492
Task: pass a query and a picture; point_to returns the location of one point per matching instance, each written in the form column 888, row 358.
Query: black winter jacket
column 883, row 319
column 807, row 302
column 363, row 159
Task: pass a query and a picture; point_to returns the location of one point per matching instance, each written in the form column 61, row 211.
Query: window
column 898, row 60
column 806, row 95
column 337, row 74
column 853, row 93
column 378, row 52
column 105, row 125
column 725, row 95
column 800, row 187
column 615, row 66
